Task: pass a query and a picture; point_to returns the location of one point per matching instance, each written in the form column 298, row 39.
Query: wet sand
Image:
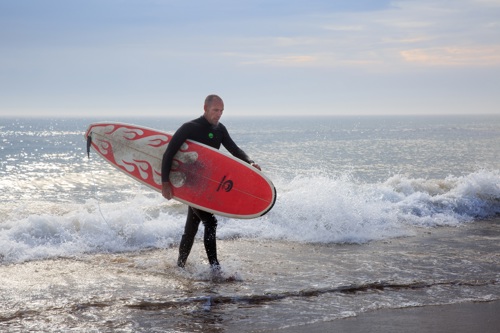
column 474, row 317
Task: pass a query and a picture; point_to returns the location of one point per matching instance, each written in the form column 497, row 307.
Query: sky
column 277, row 57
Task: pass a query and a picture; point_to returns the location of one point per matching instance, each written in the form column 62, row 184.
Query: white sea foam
column 316, row 209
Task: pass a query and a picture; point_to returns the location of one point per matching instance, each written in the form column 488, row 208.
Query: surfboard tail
column 89, row 143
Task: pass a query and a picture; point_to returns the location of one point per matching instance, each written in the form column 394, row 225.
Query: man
column 207, row 130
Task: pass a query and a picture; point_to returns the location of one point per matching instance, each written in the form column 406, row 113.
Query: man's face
column 213, row 111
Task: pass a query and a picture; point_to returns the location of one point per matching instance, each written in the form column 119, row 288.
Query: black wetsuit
column 202, row 131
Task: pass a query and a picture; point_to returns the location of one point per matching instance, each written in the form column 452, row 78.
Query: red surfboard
column 201, row 176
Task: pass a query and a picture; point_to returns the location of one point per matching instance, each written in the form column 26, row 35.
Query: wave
column 317, row 209
column 340, row 210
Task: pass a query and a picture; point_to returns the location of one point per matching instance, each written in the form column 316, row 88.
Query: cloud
column 466, row 34
column 454, row 56
column 493, row 3
column 344, row 27
column 290, row 60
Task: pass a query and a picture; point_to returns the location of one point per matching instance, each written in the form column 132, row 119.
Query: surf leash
column 89, row 144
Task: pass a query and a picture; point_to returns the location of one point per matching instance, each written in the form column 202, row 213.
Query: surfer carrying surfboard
column 207, row 130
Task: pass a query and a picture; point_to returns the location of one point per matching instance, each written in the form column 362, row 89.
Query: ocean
column 373, row 213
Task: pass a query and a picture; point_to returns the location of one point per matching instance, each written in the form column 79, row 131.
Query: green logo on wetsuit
column 211, row 135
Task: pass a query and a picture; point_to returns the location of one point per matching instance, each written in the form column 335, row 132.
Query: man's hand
column 166, row 190
column 256, row 166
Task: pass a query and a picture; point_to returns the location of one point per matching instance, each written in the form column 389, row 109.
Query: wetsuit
column 202, row 131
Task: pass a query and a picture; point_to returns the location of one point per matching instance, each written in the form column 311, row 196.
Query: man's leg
column 209, row 239
column 190, row 230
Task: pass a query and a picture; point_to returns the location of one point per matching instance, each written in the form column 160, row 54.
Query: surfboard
column 201, row 176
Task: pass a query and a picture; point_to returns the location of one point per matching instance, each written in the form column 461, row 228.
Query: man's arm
column 168, row 156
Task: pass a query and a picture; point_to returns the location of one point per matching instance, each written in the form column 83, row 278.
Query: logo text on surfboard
column 224, row 184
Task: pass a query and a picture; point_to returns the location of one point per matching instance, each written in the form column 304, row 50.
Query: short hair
column 211, row 98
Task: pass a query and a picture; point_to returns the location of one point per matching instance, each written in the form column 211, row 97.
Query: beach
column 268, row 287
column 458, row 318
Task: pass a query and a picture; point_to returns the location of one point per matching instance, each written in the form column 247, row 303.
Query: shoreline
column 458, row 318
